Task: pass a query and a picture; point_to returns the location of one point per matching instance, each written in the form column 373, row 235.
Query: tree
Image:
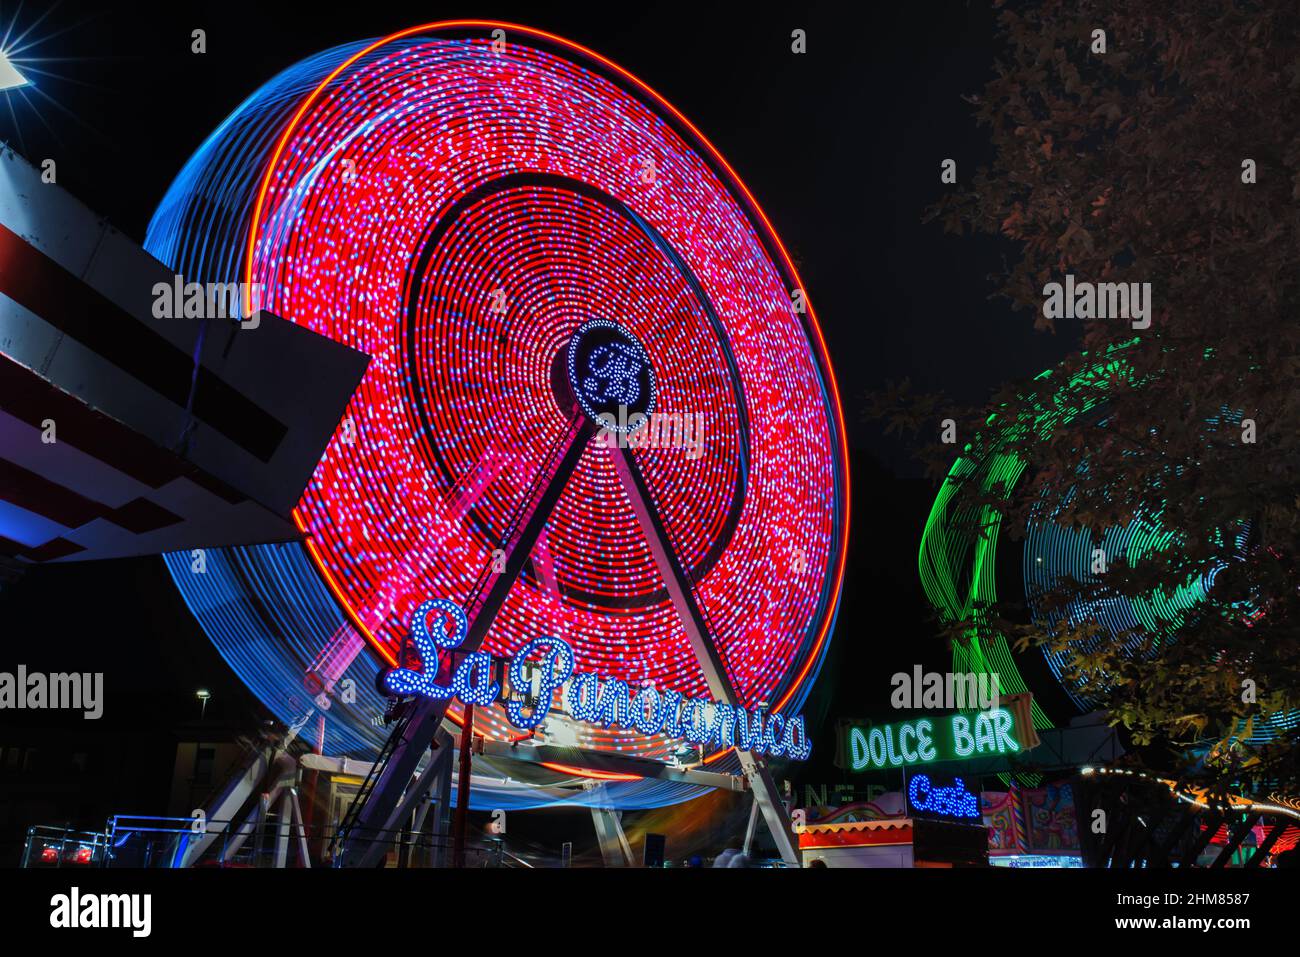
column 1172, row 158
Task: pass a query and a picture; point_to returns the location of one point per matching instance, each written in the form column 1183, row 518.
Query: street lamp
column 203, row 695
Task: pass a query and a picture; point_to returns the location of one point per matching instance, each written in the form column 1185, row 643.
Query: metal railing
column 162, row 842
column 48, row 846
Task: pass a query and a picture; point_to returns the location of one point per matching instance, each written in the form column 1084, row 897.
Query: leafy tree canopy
column 1130, row 166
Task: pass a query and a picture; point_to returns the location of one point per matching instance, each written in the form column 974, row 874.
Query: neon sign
column 954, row 801
column 609, row 369
column 587, row 697
column 926, row 740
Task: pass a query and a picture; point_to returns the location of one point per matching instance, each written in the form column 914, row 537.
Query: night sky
column 841, row 146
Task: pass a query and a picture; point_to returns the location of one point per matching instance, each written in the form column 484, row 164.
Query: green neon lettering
column 963, row 741
column 859, row 756
column 909, row 753
column 1002, row 724
column 924, row 744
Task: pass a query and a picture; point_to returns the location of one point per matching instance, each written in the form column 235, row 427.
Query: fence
column 171, row 842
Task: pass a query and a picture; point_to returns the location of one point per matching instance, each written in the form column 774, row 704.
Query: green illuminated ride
column 958, row 549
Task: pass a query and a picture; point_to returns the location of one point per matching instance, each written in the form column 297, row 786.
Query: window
column 204, row 758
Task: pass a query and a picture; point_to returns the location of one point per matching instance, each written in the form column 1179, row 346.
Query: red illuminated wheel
column 456, row 201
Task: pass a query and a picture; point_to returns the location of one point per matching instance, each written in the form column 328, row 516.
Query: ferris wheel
column 598, row 405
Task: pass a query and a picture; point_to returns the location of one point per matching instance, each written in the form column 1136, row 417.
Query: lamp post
column 203, row 695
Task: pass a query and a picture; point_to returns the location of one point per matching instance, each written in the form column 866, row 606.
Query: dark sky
column 841, row 146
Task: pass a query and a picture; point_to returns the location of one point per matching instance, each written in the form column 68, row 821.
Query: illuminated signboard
column 926, row 740
column 929, row 799
column 587, row 697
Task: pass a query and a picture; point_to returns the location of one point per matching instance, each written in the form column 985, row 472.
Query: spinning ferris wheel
column 598, row 405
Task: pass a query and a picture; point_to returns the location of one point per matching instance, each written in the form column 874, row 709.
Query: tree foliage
column 1127, row 166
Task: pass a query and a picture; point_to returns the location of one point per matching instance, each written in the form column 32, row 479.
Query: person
column 818, row 862
column 695, row 861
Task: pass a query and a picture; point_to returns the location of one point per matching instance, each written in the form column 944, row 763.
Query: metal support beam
column 296, row 806
column 614, row 846
column 1193, row 853
column 367, row 841
column 462, row 787
column 233, row 796
column 261, row 813
column 439, row 759
column 1262, row 851
column 442, row 817
column 1235, row 837
column 417, row 829
column 752, row 827
column 434, row 780
column 697, row 632
column 283, row 826
column 254, row 825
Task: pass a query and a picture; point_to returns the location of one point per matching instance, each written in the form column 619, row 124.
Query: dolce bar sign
column 587, row 697
column 926, row 740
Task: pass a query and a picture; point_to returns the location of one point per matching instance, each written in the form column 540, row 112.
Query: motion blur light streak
column 23, row 70
column 9, row 75
column 457, row 210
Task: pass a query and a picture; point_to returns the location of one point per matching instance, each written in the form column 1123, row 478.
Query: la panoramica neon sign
column 546, row 664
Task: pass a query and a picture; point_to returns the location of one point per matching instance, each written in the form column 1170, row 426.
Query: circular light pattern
column 457, row 210
column 1052, row 552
